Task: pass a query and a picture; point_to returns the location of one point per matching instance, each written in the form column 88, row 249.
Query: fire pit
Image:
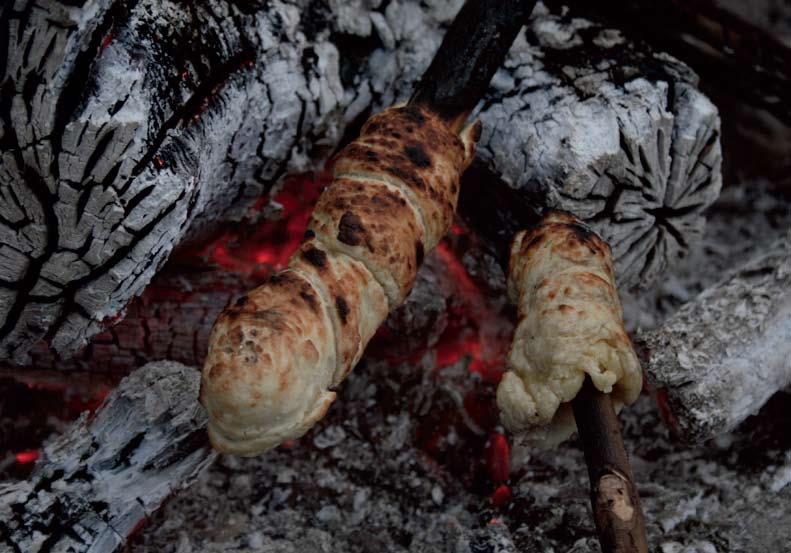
column 108, row 312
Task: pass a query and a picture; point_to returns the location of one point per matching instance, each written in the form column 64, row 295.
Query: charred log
column 744, row 47
column 724, row 354
column 585, row 121
column 95, row 484
column 119, row 142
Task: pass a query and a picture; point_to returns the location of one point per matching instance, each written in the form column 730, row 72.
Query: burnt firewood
column 585, row 121
column 743, row 47
column 128, row 129
column 95, row 484
column 170, row 320
column 724, row 354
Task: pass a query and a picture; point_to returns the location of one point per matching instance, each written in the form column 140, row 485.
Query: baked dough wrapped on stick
column 275, row 357
column 571, row 359
column 561, row 277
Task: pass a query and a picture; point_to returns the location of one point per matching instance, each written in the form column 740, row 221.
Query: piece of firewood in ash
column 721, row 356
column 95, row 484
column 583, row 119
column 571, row 358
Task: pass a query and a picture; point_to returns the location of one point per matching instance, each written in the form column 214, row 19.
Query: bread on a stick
column 276, row 355
column 561, row 277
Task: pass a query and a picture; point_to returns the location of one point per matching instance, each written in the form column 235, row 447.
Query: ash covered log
column 95, row 485
column 583, row 120
column 744, row 47
column 724, row 354
column 116, row 147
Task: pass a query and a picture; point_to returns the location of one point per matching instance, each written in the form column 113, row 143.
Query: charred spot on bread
column 310, row 299
column 241, row 301
column 420, row 251
column 315, row 257
column 351, row 229
column 417, row 155
column 309, row 234
column 342, row 307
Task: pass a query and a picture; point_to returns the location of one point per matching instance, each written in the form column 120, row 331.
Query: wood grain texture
column 97, row 483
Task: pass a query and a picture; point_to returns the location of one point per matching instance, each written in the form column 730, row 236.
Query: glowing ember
column 498, row 458
column 501, row 495
column 106, row 42
column 27, row 456
column 268, row 247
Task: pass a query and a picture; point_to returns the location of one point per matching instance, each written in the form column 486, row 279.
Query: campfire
column 443, row 269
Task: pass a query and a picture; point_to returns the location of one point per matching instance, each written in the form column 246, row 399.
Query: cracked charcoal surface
column 89, row 489
column 116, row 147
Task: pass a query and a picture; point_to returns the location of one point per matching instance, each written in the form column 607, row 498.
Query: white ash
column 372, row 493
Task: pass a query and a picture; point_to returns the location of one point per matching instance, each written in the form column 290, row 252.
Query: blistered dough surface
column 570, row 325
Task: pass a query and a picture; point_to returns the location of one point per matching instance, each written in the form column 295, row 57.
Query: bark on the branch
column 94, row 485
column 724, row 354
column 128, row 126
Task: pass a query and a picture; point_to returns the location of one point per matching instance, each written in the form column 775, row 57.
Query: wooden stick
column 472, row 50
column 616, row 504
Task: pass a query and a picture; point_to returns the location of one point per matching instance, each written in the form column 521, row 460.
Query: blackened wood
column 723, row 46
column 614, row 497
column 472, row 50
column 495, row 211
column 99, row 481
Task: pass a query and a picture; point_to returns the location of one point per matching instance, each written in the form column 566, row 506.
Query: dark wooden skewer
column 614, row 498
column 616, row 504
column 472, row 50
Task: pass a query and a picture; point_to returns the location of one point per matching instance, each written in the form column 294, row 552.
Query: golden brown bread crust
column 373, row 222
column 275, row 342
column 358, row 304
column 273, row 358
column 414, row 150
column 561, row 276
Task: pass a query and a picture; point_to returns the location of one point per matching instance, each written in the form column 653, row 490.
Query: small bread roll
column 561, row 277
column 275, row 356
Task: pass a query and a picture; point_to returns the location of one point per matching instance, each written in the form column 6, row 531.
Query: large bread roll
column 570, row 325
column 275, row 356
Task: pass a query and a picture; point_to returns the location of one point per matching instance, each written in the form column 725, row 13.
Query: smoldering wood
column 583, row 120
column 173, row 317
column 744, row 47
column 170, row 320
column 724, row 354
column 95, row 484
column 116, row 148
